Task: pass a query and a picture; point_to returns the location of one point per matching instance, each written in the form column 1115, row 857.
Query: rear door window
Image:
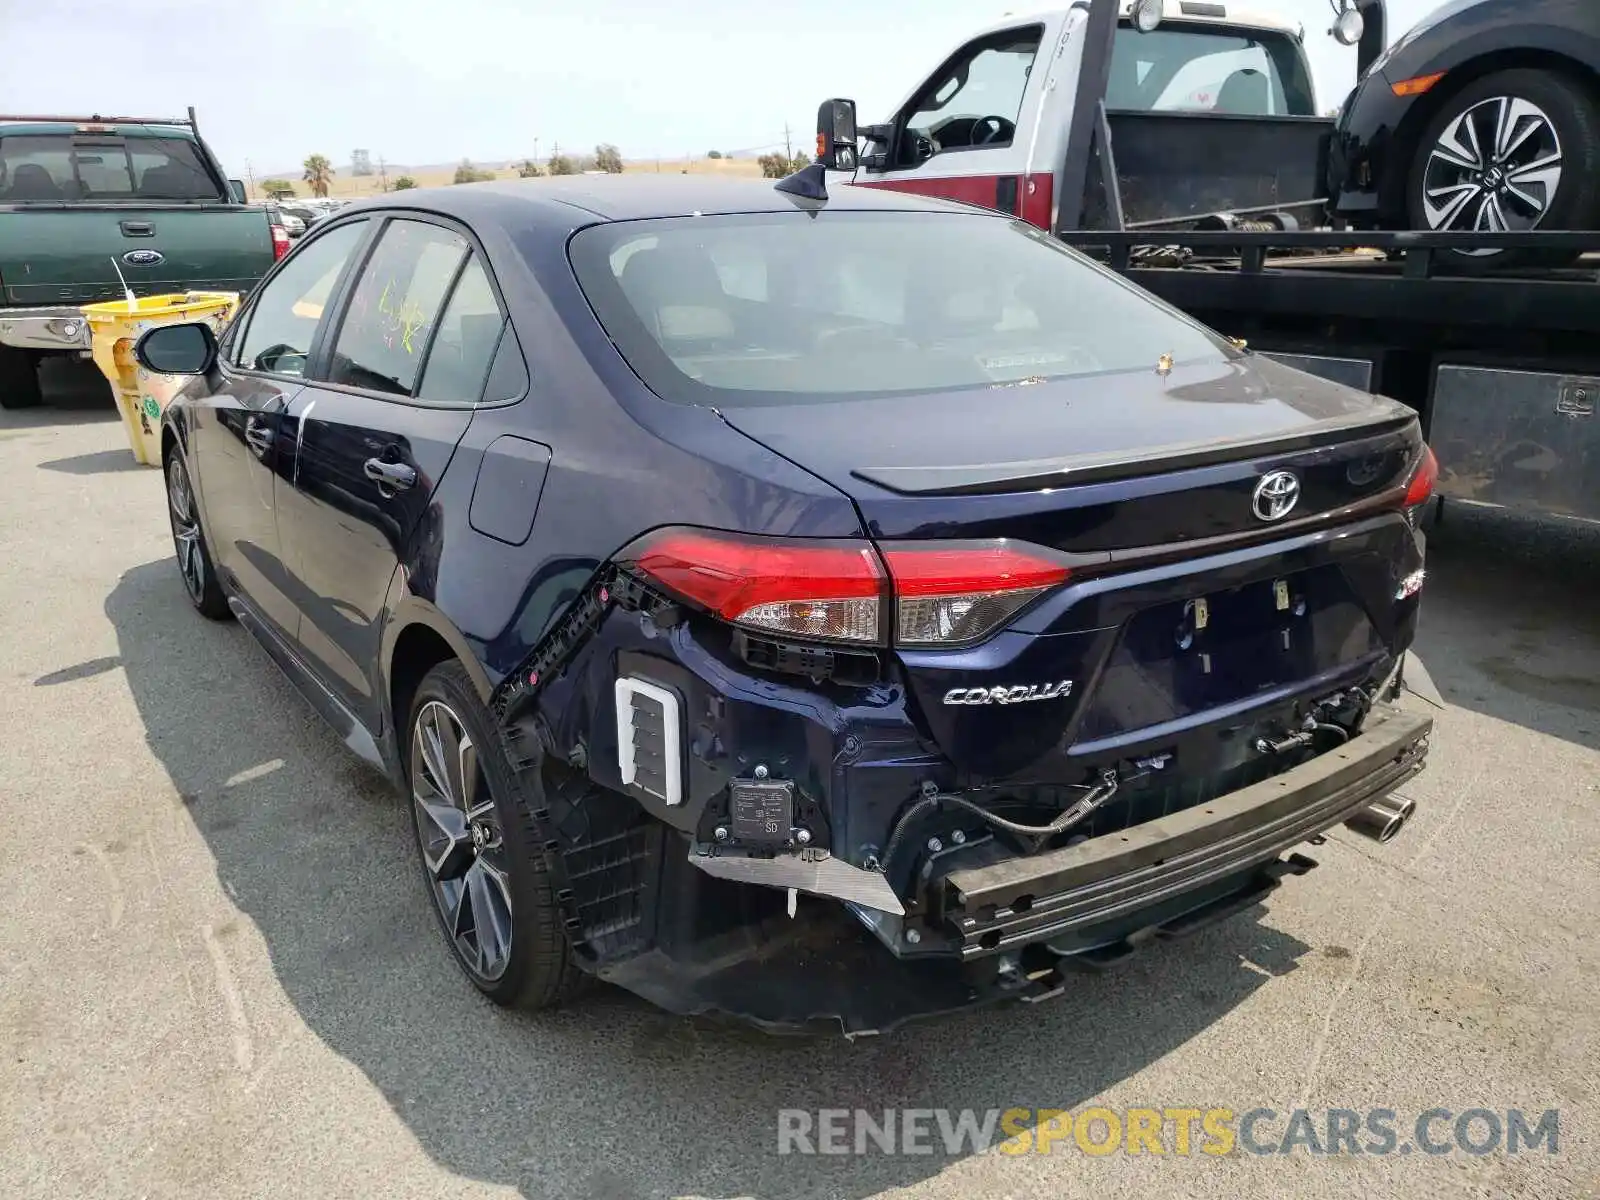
column 464, row 346
column 389, row 322
column 57, row 167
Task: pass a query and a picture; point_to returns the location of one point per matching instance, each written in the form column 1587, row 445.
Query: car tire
column 482, row 860
column 19, row 378
column 189, row 544
column 1551, row 114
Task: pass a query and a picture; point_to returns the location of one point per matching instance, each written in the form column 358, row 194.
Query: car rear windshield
column 1209, row 70
column 779, row 308
column 57, row 167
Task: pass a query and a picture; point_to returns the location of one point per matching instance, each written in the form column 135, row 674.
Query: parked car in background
column 87, row 203
column 306, row 214
column 292, row 224
column 680, row 548
column 1483, row 117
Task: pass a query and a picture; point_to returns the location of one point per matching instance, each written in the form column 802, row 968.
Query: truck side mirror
column 236, row 190
column 836, row 135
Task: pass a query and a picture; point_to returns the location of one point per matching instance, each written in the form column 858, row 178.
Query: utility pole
column 250, row 174
column 535, row 150
column 788, row 148
column 383, row 173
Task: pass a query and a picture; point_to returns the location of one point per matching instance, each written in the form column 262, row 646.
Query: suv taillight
column 280, row 242
column 940, row 593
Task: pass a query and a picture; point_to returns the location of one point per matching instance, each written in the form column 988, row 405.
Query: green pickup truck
column 90, row 203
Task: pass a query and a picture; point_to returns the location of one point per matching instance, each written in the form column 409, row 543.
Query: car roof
column 638, row 197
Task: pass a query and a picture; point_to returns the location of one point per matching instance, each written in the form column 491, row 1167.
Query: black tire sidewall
column 212, row 602
column 19, row 379
column 1575, row 112
column 540, row 971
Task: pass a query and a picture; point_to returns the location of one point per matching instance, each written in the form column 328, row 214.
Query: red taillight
column 945, row 593
column 1423, row 480
column 280, row 242
column 952, row 594
column 814, row 589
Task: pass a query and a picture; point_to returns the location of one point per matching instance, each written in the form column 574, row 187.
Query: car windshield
column 1211, row 70
column 55, row 167
column 779, row 308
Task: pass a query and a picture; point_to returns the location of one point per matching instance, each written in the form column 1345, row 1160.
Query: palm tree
column 319, row 174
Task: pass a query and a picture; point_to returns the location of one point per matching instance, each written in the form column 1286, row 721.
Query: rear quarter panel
column 622, row 462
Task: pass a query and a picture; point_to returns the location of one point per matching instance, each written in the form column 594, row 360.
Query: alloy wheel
column 1496, row 168
column 462, row 848
column 186, row 530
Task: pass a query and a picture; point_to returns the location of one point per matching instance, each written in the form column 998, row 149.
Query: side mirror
column 236, row 190
column 836, row 135
column 187, row 349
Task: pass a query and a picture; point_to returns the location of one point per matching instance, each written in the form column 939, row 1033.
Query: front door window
column 974, row 103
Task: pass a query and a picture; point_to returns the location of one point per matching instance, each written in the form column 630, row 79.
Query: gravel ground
column 219, row 976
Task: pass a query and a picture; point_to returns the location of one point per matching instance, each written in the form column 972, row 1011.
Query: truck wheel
column 1516, row 150
column 19, row 378
column 481, row 857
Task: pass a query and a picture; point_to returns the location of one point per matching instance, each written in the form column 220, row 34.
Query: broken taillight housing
column 939, row 593
column 824, row 590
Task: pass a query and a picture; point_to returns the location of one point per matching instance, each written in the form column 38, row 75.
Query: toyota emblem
column 1276, row 495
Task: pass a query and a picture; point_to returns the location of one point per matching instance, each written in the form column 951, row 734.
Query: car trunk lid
column 1196, row 593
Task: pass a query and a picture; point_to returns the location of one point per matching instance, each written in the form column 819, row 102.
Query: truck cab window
column 975, row 101
column 1197, row 70
column 55, row 167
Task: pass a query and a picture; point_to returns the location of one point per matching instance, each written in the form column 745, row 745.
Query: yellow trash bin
column 142, row 396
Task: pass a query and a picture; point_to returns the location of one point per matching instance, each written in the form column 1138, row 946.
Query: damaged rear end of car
column 1123, row 629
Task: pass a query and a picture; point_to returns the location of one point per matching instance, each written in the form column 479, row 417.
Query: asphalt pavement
column 219, row 975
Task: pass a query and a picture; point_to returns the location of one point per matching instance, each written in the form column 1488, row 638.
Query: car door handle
column 390, row 474
column 258, row 437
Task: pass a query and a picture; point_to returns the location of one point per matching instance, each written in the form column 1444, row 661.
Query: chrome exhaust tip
column 1382, row 819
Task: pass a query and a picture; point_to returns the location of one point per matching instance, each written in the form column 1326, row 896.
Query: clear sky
column 431, row 81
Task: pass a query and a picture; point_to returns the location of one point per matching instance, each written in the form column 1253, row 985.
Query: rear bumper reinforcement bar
column 1026, row 900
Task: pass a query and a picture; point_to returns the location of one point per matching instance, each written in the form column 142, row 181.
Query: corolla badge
column 144, row 258
column 1276, row 495
column 1019, row 694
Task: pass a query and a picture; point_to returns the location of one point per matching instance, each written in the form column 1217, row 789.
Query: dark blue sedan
column 849, row 607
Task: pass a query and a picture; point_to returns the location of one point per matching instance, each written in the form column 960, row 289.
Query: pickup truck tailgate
column 59, row 253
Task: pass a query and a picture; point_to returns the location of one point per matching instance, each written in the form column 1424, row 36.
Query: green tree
column 404, row 184
column 608, row 158
column 319, row 174
column 276, row 188
column 561, row 164
column 528, row 169
column 467, row 173
column 775, row 165
column 713, row 153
